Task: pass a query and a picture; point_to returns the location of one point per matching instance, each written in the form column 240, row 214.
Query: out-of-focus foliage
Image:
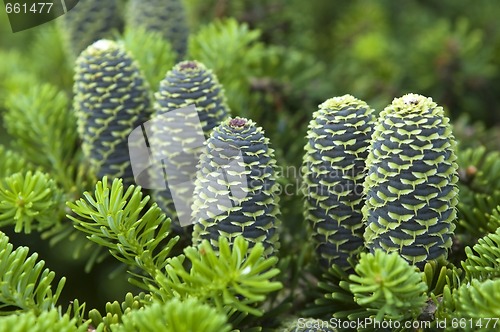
column 154, row 54
column 377, row 50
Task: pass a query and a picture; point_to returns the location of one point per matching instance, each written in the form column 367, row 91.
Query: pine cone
column 411, row 191
column 89, row 21
column 111, row 99
column 167, row 17
column 235, row 191
column 333, row 172
column 188, row 83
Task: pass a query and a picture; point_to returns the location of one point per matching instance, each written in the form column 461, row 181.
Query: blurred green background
column 292, row 55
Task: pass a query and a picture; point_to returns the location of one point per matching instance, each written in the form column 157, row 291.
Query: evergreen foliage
column 236, row 277
column 44, row 130
column 29, row 197
column 176, row 316
column 11, row 162
column 483, row 260
column 271, row 61
column 388, row 286
column 115, row 311
column 25, row 285
column 437, row 276
column 47, row 321
column 479, row 300
column 242, row 57
column 479, row 171
column 117, row 219
column 153, row 54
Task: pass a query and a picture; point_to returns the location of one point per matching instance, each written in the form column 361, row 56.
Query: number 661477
column 27, row 8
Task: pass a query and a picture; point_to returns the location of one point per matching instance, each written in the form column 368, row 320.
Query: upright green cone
column 236, row 189
column 188, row 83
column 191, row 83
column 411, row 191
column 89, row 21
column 166, row 17
column 333, row 172
column 111, row 99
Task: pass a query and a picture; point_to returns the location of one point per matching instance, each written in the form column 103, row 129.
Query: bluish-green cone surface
column 111, row 99
column 166, row 17
column 89, row 21
column 236, row 189
column 333, row 173
column 188, row 83
column 410, row 188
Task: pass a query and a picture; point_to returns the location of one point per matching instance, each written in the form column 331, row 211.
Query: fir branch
column 11, row 162
column 334, row 298
column 24, row 283
column 483, row 260
column 174, row 316
column 437, row 276
column 232, row 278
column 388, row 287
column 479, row 171
column 115, row 311
column 479, row 299
column 154, row 54
column 54, row 67
column 241, row 60
column 49, row 321
column 25, row 198
column 44, row 130
column 119, row 221
column 14, row 75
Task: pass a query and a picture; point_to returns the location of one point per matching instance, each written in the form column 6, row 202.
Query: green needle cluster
column 333, row 172
column 29, row 201
column 386, row 285
column 411, row 191
column 235, row 192
column 111, row 99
